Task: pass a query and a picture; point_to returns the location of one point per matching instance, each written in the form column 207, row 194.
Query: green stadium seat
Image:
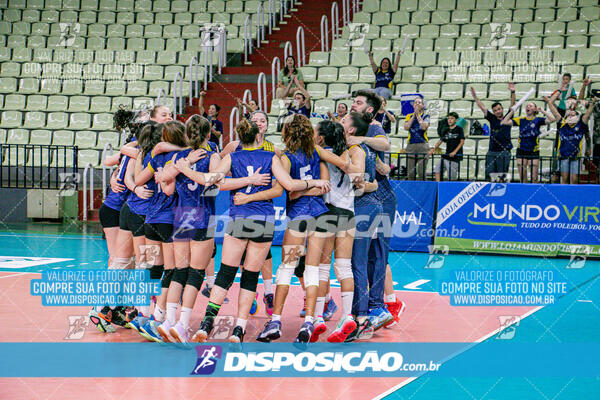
column 553, row 42
column 400, row 18
column 40, row 136
column 380, row 45
column 106, row 137
column 420, row 17
column 545, row 15
column 462, row 108
column 461, row 17
column 421, row 45
column 502, row 15
column 204, row 18
column 449, row 31
column 531, row 43
column 590, row 13
column 318, row 58
column 448, row 58
column 28, row 85
column 88, row 156
column 115, row 44
column 564, row 56
column 451, row 91
column 11, row 119
column 63, row 138
column 57, row 103
column 577, row 28
column 223, row 19
column 339, row 45
column 10, row 69
column 464, row 43
column 587, row 56
column 337, row 89
column 362, row 18
column 21, row 55
column 107, row 5
column 79, row 121
column 102, row 122
column 144, row 18
column 370, row 6
column 593, row 71
column 136, row 43
column 533, row 29
column 412, row 74
column 425, row 59
column 444, row 44
column 481, row 17
column 134, row 31
column 430, row 32
column 404, row 88
column 87, row 17
column 322, row 106
column 366, row 75
column 339, row 59
column 95, row 43
column 115, row 30
column 79, row 104
column 14, row 102
column 100, row 104
column 390, row 32
column 440, row 17
column 317, row 90
column 380, row 18
column 12, row 15
column 155, row 44
column 35, row 4
column 40, row 28
column 216, row 6
column 348, row 74
column 169, row 57
column 85, row 139
column 429, row 90
column 411, row 31
column 327, row 74
column 433, row 74
column 471, row 30
column 163, row 18
column 17, row 136
column 57, row 120
column 118, row 101
column 569, row 14
column 523, row 15
column 577, row 42
column 125, row 18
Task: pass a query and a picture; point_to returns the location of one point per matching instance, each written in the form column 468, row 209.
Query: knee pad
column 156, row 271
column 119, row 263
column 299, row 268
column 181, row 275
column 284, row 274
column 311, row 276
column 324, row 272
column 195, row 277
column 226, row 276
column 343, row 268
column 249, row 280
column 166, row 279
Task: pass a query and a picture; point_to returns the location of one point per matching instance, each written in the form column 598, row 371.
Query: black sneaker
column 119, row 316
column 362, row 331
column 205, row 328
column 237, row 336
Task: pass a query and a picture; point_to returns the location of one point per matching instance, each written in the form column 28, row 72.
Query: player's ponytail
column 174, row 132
column 298, row 134
column 333, row 135
column 197, row 129
column 150, row 135
column 247, row 132
column 360, row 122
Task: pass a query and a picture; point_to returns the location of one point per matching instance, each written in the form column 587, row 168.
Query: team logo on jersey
column 68, row 33
column 207, row 359
column 498, row 33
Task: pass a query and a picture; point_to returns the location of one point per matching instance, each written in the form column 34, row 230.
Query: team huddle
column 340, row 207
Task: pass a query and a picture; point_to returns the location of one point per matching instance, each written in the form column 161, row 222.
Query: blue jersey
column 415, row 133
column 266, row 146
column 211, row 146
column 384, row 78
column 570, row 139
column 529, row 132
column 160, row 210
column 136, row 204
column 243, row 164
column 115, row 200
column 305, row 168
column 370, row 160
column 195, row 202
column 384, row 190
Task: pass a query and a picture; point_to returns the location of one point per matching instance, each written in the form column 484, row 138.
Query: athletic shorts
column 269, row 256
column 197, row 235
column 527, row 154
column 338, row 219
column 159, row 232
column 250, row 229
column 214, row 254
column 131, row 222
column 109, row 217
column 299, row 270
column 307, row 225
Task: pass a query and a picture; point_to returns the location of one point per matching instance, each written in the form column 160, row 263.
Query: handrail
column 287, row 51
column 324, row 33
column 356, row 6
column 282, row 9
column 260, row 24
column 301, row 55
column 275, row 69
column 85, row 172
column 346, row 11
column 222, row 48
column 335, row 23
column 193, row 79
column 247, row 40
column 262, row 91
column 235, row 112
column 161, row 94
column 108, row 146
column 271, row 21
column 246, row 98
column 177, row 100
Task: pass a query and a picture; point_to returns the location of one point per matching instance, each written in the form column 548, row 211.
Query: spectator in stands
column 290, row 79
column 572, row 128
column 454, row 137
column 416, row 124
column 564, row 94
column 342, row 109
column 216, row 126
column 497, row 159
column 528, row 152
column 594, row 144
column 251, row 106
column 384, row 75
column 301, row 103
column 385, row 117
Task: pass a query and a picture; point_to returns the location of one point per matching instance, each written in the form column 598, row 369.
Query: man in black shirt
column 497, row 159
column 454, row 138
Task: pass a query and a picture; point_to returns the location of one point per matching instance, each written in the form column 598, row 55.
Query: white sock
column 276, row 317
column 268, row 286
column 144, row 311
column 210, row 280
column 390, row 298
column 242, row 323
column 159, row 314
column 186, row 315
column 347, row 298
column 320, row 307
column 309, row 318
column 327, row 297
column 172, row 313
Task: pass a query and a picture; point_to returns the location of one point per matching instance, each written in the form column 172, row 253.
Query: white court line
column 481, row 339
column 17, row 274
column 26, row 235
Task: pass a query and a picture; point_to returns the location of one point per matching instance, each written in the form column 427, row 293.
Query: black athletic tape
column 156, row 271
column 214, row 254
column 249, row 280
column 299, row 270
column 166, row 279
column 269, row 255
column 196, row 277
column 181, row 275
column 226, row 276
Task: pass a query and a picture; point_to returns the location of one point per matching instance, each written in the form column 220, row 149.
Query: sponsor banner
column 490, row 359
column 412, row 229
column 524, row 219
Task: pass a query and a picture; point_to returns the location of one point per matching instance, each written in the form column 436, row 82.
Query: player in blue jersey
column 303, row 162
column 158, row 227
column 528, row 152
column 251, row 225
column 572, row 129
